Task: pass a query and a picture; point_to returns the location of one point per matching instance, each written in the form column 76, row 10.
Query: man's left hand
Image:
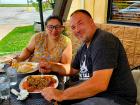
column 52, row 94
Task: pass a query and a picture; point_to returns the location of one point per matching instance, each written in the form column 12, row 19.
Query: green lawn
column 16, row 40
column 15, row 5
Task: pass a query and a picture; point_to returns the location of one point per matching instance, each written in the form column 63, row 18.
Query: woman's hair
column 53, row 17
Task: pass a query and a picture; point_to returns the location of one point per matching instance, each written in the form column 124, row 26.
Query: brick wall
column 129, row 36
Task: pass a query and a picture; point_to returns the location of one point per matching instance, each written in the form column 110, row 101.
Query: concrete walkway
column 11, row 17
column 5, row 29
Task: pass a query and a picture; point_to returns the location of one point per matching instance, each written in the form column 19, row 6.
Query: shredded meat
column 39, row 82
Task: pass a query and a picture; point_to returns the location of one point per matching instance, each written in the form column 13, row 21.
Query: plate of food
column 27, row 67
column 35, row 83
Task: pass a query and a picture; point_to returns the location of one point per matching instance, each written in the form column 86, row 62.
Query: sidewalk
column 12, row 17
column 5, row 29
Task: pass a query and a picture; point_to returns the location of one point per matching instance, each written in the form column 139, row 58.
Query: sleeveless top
column 41, row 51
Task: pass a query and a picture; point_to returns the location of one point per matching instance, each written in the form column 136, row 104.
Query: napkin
column 22, row 95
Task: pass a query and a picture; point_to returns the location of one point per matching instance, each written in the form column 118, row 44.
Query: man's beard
column 87, row 39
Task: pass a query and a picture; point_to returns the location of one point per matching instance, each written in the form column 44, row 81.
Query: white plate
column 24, row 79
column 34, row 67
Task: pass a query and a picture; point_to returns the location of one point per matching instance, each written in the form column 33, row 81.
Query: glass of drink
column 12, row 74
column 4, row 87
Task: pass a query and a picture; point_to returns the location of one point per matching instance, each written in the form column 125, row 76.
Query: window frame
column 110, row 20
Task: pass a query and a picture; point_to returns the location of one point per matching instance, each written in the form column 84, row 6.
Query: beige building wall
column 100, row 11
column 82, row 4
column 89, row 5
column 97, row 8
column 76, row 4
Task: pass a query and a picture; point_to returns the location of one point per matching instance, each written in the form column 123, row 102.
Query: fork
column 40, row 70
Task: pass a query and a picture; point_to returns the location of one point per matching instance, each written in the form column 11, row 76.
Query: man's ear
column 91, row 20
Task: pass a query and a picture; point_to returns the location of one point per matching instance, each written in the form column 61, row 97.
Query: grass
column 15, row 5
column 16, row 40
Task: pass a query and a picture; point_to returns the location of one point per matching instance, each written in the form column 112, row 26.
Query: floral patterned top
column 41, row 51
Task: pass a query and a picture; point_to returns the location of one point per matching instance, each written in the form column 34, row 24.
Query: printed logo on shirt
column 84, row 73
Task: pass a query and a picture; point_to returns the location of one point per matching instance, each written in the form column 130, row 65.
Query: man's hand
column 52, row 94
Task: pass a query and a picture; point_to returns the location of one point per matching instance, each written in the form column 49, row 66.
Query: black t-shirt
column 105, row 52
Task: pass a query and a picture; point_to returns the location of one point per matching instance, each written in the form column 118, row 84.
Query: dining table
column 33, row 98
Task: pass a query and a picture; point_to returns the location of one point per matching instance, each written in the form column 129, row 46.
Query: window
column 124, row 12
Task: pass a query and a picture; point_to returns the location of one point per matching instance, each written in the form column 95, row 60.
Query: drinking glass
column 4, row 87
column 12, row 74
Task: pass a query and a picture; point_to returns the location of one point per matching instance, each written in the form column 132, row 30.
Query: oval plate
column 34, row 67
column 38, row 91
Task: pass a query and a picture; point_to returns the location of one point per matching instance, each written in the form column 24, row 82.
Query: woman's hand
column 11, row 62
column 45, row 67
column 14, row 63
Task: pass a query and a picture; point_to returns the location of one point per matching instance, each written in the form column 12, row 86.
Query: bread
column 25, row 68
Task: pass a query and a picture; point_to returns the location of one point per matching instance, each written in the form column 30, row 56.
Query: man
column 103, row 68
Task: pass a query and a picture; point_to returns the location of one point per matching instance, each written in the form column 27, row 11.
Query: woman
column 50, row 47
